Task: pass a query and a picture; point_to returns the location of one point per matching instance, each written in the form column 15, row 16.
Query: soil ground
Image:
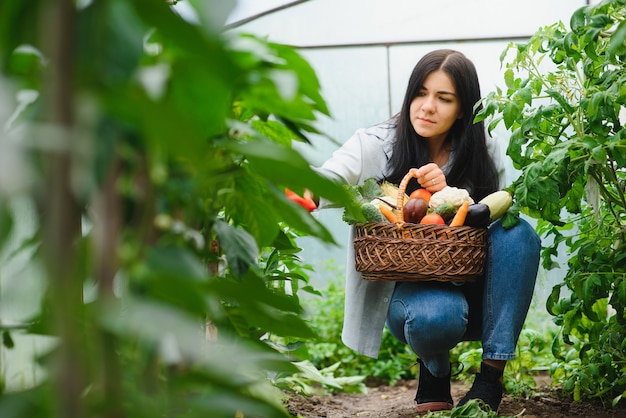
column 397, row 402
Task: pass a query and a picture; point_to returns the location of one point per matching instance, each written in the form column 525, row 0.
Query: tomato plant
column 564, row 105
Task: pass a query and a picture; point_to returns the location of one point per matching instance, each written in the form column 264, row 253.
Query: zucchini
column 499, row 202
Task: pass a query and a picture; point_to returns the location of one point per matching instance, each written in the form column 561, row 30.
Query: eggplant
column 478, row 216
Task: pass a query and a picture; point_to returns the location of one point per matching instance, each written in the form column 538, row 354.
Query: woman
column 435, row 132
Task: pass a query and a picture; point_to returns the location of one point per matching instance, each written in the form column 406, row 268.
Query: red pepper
column 290, row 194
column 306, row 202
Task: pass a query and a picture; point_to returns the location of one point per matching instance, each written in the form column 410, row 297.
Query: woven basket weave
column 402, row 251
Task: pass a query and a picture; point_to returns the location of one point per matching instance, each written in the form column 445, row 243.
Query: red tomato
column 421, row 194
column 433, row 218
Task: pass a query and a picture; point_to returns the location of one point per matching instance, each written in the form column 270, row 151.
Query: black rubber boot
column 487, row 387
column 433, row 393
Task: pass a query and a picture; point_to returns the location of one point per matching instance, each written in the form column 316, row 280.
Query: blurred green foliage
column 159, row 150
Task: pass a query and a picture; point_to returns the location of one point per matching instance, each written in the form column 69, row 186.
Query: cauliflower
column 452, row 195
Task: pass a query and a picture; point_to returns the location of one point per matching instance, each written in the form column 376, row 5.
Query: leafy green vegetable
column 361, row 194
column 370, row 189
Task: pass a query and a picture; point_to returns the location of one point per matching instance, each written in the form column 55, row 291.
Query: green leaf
column 274, row 130
column 617, row 44
column 591, row 290
column 239, row 247
column 307, row 78
column 556, row 95
column 371, row 188
column 261, row 307
column 7, row 340
column 537, row 86
column 600, row 21
column 175, row 277
column 7, row 225
column 511, row 113
column 526, row 95
column 510, row 219
column 509, row 79
column 17, row 27
column 553, row 298
column 570, row 45
column 200, row 94
column 591, row 36
column 492, row 126
column 618, row 298
column 248, row 206
column 225, row 402
column 177, row 262
column 578, row 19
column 600, row 306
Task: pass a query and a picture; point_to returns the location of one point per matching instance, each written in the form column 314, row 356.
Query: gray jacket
column 365, row 155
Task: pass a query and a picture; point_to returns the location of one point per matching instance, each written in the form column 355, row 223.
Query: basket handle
column 401, row 191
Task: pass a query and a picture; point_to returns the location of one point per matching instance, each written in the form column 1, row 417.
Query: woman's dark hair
column 472, row 166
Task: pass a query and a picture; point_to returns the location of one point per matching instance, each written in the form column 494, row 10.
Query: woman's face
column 436, row 107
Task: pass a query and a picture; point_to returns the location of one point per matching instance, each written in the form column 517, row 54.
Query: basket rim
column 418, row 225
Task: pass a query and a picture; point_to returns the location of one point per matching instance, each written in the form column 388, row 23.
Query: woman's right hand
column 431, row 177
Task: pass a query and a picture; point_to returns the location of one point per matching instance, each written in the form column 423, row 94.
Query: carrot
column 459, row 216
column 388, row 213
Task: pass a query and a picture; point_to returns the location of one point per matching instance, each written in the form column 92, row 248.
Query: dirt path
column 397, row 402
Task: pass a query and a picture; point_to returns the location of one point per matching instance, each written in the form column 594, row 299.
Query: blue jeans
column 432, row 317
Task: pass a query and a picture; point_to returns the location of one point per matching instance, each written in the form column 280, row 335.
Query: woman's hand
column 431, row 177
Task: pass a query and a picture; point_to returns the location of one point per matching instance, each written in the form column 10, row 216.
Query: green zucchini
column 499, row 202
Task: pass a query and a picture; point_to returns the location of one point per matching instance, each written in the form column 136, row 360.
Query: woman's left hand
column 431, row 177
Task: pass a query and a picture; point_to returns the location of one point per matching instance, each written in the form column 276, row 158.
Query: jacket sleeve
column 346, row 162
column 364, row 155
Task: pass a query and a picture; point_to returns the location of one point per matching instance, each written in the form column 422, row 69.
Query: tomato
column 421, row 194
column 433, row 218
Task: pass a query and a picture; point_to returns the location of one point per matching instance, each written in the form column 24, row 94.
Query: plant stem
column 61, row 215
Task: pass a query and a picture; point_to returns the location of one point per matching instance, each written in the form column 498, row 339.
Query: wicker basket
column 401, row 251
